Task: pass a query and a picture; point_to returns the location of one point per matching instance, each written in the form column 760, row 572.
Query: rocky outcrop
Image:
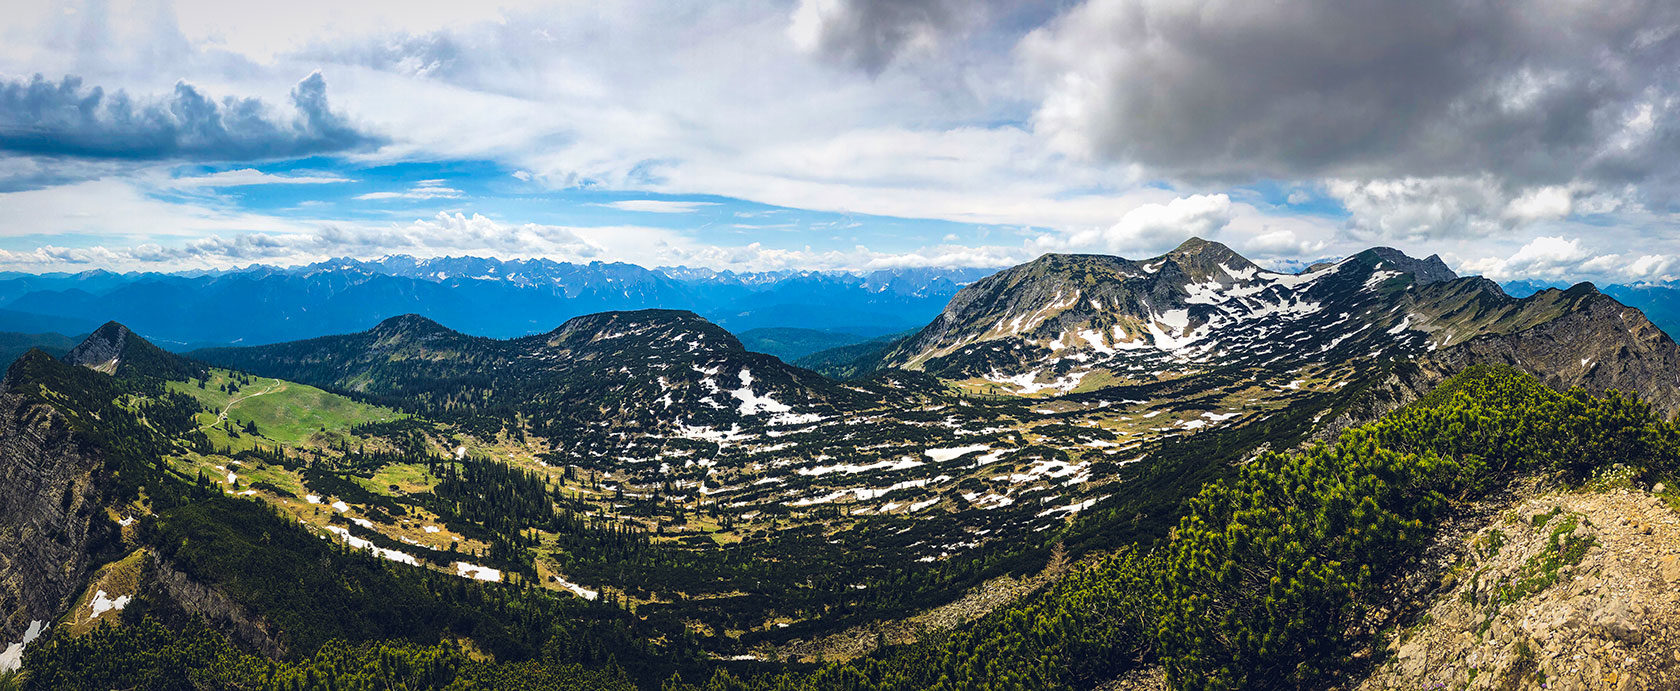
column 51, row 515
column 103, row 349
column 1574, row 591
column 215, row 606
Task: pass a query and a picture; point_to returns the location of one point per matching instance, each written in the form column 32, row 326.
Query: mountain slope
column 791, row 344
column 113, row 349
column 50, row 514
column 648, row 368
column 1075, row 322
column 13, row 345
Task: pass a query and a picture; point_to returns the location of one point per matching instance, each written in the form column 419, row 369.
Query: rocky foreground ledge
column 1575, row 590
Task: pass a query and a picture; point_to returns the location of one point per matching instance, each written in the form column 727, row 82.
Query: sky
column 1533, row 139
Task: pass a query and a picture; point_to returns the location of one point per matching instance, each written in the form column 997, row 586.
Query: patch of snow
column 312, row 498
column 103, row 603
column 359, row 543
column 943, row 455
column 1073, row 508
column 12, row 659
column 752, row 404
column 432, row 529
column 850, row 469
column 340, row 506
column 1378, row 277
column 474, row 571
column 576, row 589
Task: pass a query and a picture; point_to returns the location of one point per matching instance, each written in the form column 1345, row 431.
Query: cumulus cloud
column 64, row 119
column 1147, row 228
column 1554, row 258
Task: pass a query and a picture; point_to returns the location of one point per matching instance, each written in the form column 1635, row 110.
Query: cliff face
column 215, row 606
column 51, row 516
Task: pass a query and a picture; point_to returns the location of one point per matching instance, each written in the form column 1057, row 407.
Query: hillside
column 663, row 368
column 113, row 349
column 1069, row 323
column 789, row 345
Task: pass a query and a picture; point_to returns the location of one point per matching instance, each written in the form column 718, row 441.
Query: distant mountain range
column 486, row 297
column 793, row 315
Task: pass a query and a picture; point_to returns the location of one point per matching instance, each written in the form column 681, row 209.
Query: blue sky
column 840, row 134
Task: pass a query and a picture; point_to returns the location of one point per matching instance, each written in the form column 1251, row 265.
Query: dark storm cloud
column 870, row 34
column 1533, row 92
column 67, row 120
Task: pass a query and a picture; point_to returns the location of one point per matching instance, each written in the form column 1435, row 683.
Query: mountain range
column 1079, row 471
column 487, row 297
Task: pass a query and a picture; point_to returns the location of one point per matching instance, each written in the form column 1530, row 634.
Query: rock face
column 1597, row 344
column 215, row 606
column 1569, row 590
column 103, row 349
column 50, row 515
column 113, row 349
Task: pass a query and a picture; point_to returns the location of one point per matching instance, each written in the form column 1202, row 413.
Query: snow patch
column 103, row 603
column 752, row 404
column 12, row 658
column 576, row 589
column 359, row 543
column 943, row 455
column 476, row 572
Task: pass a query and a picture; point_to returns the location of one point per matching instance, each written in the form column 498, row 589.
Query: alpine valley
column 1184, row 471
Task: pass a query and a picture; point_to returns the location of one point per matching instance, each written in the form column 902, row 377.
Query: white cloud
column 1541, row 203
column 1556, row 258
column 252, row 176
column 1149, row 228
column 424, row 189
column 1419, row 208
column 657, row 206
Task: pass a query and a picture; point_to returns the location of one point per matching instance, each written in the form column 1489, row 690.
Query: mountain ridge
column 1061, row 322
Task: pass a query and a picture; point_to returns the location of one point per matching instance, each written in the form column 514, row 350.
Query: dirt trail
column 222, row 416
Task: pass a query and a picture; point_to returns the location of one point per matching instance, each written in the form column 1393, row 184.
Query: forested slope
column 1273, row 578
